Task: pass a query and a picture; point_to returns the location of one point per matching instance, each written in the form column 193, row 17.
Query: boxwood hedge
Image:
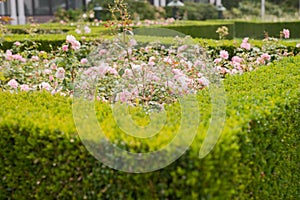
column 257, row 156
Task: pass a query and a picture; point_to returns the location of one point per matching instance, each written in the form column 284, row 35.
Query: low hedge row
column 203, row 31
column 240, row 29
column 256, row 30
column 257, row 156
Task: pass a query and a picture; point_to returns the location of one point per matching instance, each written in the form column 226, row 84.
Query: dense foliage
column 257, row 156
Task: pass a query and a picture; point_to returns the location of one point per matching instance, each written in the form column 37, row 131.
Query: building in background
column 41, row 10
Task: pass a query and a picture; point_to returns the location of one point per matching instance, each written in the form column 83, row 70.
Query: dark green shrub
column 203, row 31
column 257, row 156
column 257, row 30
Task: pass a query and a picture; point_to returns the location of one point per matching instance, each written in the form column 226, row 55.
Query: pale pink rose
column 237, row 59
column 178, row 72
column 203, row 81
column 53, row 92
column 182, row 48
column 112, row 71
column 24, row 87
column 286, row 33
column 87, row 30
column 152, row 58
column 53, row 66
column 153, row 77
column 35, row 58
column 217, row 60
column 266, row 56
column 51, row 78
column 76, row 45
column 84, row 61
column 65, row 47
column 17, row 57
column 168, row 60
column 13, row 83
column 60, row 73
column 246, row 46
column 224, row 54
column 245, row 40
column 132, row 42
column 8, row 55
column 83, row 38
column 45, row 86
column 17, row 43
column 70, row 39
column 128, row 72
column 298, row 45
column 136, row 67
column 123, row 96
column 102, row 51
column 47, row 71
column 78, row 31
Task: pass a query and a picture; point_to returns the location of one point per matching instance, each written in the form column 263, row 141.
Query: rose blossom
column 24, row 87
column 224, row 54
column 237, row 59
column 17, row 43
column 266, row 56
column 87, row 30
column 13, row 83
column 286, row 33
column 45, row 86
column 245, row 44
column 84, row 61
column 65, row 47
column 35, row 58
column 74, row 43
column 60, row 73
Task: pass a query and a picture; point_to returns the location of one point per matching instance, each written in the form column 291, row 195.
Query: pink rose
column 74, row 43
column 84, row 61
column 45, row 86
column 266, row 56
column 24, row 87
column 60, row 73
column 8, row 55
column 237, row 59
column 87, row 30
column 65, row 47
column 13, row 83
column 17, row 43
column 224, row 54
column 286, row 33
column 298, row 45
column 35, row 58
column 102, row 51
column 217, row 60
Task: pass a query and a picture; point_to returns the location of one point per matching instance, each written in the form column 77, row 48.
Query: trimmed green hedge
column 203, row 31
column 257, row 156
column 256, row 29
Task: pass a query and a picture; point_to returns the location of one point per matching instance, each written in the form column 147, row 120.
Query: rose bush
column 150, row 75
